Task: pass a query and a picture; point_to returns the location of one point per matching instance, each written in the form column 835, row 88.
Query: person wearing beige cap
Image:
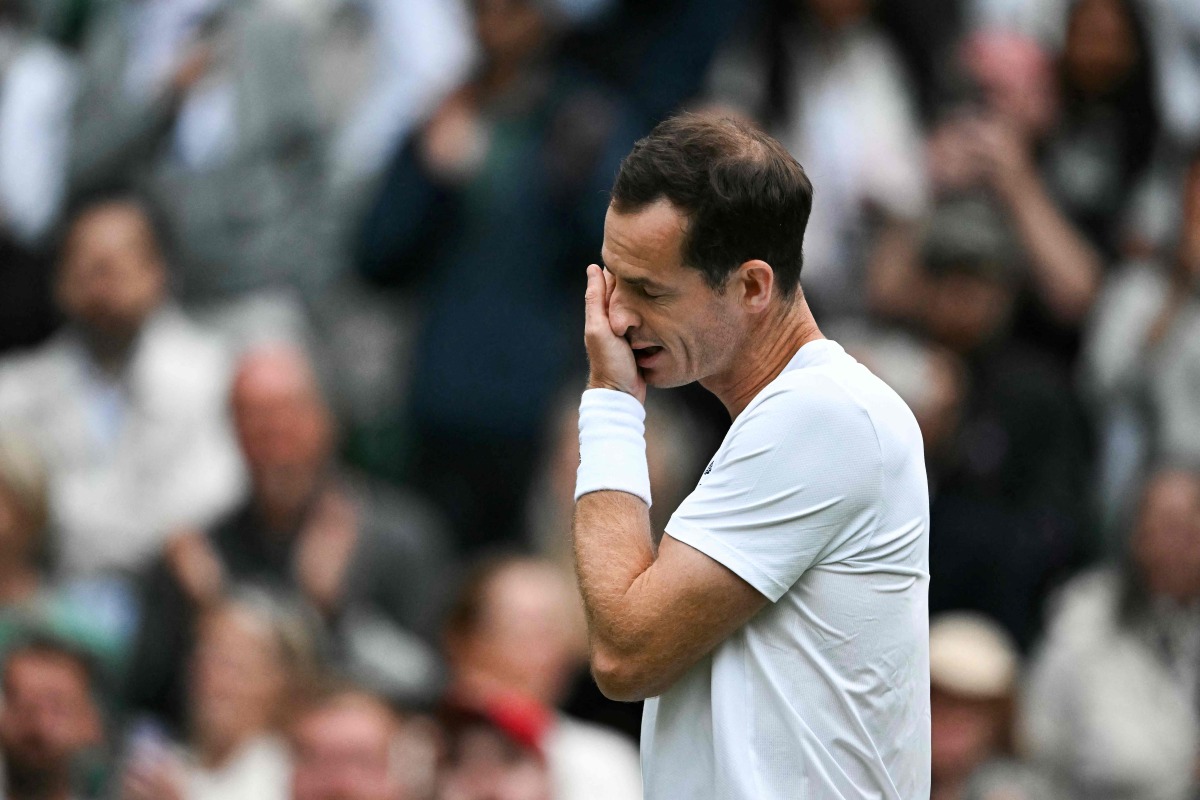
column 973, row 667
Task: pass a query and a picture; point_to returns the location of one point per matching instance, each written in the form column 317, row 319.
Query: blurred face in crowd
column 509, row 30
column 1101, row 48
column 112, row 275
column 488, row 766
column 283, row 425
column 966, row 732
column 238, row 679
column 680, row 328
column 965, row 311
column 48, row 717
column 528, row 636
column 346, row 750
column 1166, row 543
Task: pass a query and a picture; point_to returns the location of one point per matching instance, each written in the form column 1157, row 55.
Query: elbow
column 621, row 676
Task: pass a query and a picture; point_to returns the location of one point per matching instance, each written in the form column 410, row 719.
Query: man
column 346, row 746
column 126, row 405
column 48, row 719
column 365, row 558
column 780, row 627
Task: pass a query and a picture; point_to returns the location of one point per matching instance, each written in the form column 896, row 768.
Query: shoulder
column 1085, row 610
column 36, row 373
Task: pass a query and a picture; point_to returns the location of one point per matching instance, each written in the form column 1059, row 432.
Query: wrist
column 612, row 444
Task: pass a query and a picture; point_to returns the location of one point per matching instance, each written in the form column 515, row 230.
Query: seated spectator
column 1141, row 360
column 345, row 545
column 973, row 668
column 208, row 106
column 515, row 636
column 1007, row 500
column 347, row 744
column 37, row 86
column 1111, row 701
column 495, row 752
column 827, row 82
column 252, row 652
column 489, row 213
column 126, row 404
column 49, row 720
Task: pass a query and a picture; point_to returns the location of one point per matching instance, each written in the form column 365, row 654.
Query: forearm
column 613, row 548
column 1065, row 268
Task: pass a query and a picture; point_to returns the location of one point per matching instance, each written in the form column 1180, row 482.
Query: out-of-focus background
column 290, row 347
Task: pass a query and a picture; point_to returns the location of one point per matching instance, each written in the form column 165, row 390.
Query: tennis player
column 779, row 630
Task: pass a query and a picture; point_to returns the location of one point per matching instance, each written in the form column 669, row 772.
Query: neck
column 770, row 345
column 109, row 351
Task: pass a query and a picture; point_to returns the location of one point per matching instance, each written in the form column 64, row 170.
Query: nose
column 621, row 315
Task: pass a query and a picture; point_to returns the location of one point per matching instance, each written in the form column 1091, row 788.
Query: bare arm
column 1066, row 269
column 651, row 616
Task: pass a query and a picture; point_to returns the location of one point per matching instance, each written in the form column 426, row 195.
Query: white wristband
column 612, row 445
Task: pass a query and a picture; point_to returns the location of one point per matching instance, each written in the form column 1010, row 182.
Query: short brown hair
column 745, row 197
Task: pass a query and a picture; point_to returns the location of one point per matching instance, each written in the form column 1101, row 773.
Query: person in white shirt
column 780, row 627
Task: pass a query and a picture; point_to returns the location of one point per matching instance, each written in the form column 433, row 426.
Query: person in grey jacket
column 208, row 104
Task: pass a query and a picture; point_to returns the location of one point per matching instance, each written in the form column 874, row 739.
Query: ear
column 756, row 281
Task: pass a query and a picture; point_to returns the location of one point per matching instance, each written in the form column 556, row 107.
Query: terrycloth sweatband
column 612, row 445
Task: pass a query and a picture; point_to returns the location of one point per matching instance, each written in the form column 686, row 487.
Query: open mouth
column 644, row 355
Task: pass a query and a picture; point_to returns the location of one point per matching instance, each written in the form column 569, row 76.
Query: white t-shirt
column 817, row 498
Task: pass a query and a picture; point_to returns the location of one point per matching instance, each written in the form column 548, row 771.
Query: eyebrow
column 643, row 283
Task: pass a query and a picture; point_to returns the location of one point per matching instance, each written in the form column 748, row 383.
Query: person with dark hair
column 1111, row 702
column 126, row 405
column 479, row 214
column 779, row 627
column 49, row 719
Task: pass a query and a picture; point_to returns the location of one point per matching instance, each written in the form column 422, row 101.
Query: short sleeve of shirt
column 795, row 483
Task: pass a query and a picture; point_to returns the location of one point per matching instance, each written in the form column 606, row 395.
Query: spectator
column 36, row 88
column 49, row 720
column 1007, row 507
column 347, row 744
column 1111, row 703
column 125, row 405
column 252, row 653
column 825, row 80
column 1063, row 156
column 490, row 211
column 345, row 545
column 515, row 636
column 973, row 667
column 208, row 104
column 494, row 753
column 1141, row 364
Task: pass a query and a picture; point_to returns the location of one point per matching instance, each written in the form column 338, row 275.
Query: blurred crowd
column 290, row 314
